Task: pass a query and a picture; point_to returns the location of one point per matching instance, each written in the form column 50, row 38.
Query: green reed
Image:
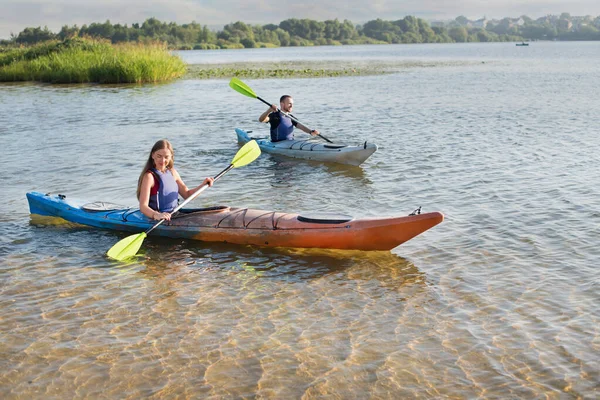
column 91, row 61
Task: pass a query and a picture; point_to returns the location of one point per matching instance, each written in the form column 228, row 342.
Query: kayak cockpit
column 325, row 218
column 215, row 209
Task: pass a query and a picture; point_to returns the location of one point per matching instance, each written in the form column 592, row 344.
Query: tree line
column 307, row 32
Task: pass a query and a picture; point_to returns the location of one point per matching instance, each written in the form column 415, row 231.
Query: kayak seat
column 325, row 218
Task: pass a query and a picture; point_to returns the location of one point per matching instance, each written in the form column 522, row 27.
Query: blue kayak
column 312, row 149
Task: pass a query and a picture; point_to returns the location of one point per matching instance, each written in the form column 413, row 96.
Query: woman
column 159, row 185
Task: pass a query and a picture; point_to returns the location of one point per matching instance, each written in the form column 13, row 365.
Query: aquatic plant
column 198, row 71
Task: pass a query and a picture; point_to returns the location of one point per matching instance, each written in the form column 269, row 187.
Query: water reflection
column 163, row 256
column 281, row 168
column 356, row 173
column 281, row 264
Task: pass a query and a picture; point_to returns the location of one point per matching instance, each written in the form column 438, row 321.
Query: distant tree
column 153, row 28
column 564, row 23
column 586, row 32
column 283, row 36
column 408, row 24
column 266, row 36
column 565, row 15
column 459, row 34
column 501, row 27
column 348, row 31
column 105, row 30
column 410, row 37
column 590, row 31
column 382, row 30
column 307, row 32
column 540, row 32
column 484, row 36
column 526, row 19
column 34, row 35
column 332, row 29
column 236, row 32
column 462, row 20
column 67, row 32
column 248, row 43
column 441, row 34
column 122, row 34
column 316, row 30
column 427, row 34
column 185, row 34
column 302, row 28
column 206, row 35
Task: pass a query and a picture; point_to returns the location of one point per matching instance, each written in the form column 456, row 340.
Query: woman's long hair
column 160, row 145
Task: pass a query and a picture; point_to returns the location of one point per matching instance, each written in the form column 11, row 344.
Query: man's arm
column 264, row 117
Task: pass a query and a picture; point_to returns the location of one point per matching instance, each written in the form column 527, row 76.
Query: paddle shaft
column 192, row 197
column 290, row 116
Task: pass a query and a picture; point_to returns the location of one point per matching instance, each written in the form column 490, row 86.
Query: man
column 282, row 126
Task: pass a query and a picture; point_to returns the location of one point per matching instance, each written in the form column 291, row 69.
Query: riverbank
column 98, row 61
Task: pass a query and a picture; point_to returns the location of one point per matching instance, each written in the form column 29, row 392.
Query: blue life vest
column 167, row 196
column 284, row 130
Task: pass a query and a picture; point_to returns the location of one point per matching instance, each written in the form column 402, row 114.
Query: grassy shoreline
column 90, row 61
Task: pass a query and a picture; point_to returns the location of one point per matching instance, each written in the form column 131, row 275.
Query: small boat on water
column 245, row 226
column 311, row 149
column 522, row 44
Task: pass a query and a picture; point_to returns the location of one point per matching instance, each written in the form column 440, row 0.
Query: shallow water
column 499, row 301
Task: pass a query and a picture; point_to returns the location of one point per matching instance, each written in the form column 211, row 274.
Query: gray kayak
column 312, row 149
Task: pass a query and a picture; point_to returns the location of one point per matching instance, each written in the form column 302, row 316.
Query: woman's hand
column 208, row 181
column 158, row 216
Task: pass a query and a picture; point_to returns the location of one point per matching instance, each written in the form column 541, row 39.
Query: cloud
column 16, row 15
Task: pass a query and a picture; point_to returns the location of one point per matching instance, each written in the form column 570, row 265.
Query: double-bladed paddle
column 244, row 89
column 131, row 244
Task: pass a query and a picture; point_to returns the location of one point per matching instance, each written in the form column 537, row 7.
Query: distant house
column 480, row 23
column 578, row 24
column 548, row 19
column 564, row 24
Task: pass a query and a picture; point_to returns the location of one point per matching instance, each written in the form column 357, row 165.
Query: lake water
column 499, row 301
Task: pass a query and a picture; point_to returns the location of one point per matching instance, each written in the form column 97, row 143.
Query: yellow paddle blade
column 242, row 88
column 248, row 153
column 126, row 247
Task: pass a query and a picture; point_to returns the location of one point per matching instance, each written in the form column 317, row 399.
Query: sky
column 16, row 15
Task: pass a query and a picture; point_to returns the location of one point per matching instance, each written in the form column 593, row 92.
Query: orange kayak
column 245, row 226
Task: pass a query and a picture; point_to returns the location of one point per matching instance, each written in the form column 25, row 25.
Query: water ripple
column 500, row 300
